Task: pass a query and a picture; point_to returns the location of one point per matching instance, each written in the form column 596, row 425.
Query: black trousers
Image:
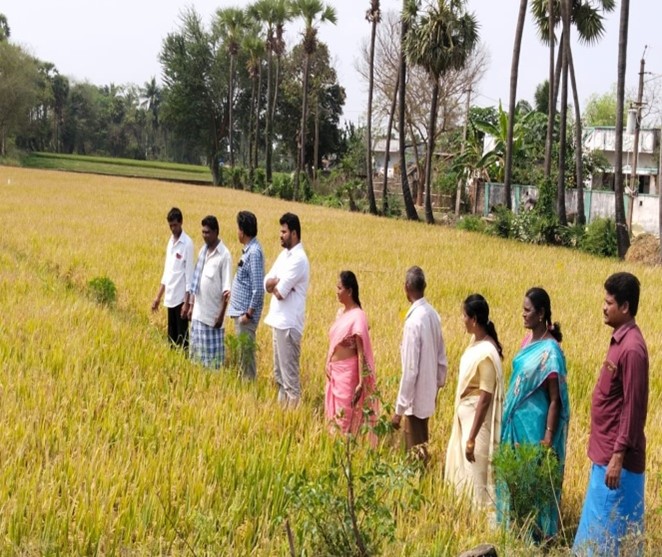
column 177, row 327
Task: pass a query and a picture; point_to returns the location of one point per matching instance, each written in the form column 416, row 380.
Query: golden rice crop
column 112, row 444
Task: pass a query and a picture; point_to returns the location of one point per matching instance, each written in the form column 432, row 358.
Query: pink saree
column 343, row 375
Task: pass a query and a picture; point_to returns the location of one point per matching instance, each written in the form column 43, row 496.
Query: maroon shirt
column 620, row 401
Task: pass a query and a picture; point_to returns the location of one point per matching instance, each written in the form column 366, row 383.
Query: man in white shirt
column 424, row 364
column 287, row 282
column 176, row 280
column 210, row 290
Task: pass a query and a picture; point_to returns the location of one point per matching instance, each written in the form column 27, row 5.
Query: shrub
column 503, row 222
column 102, row 290
column 600, row 238
column 350, row 509
column 282, row 187
column 528, row 479
column 472, row 223
column 238, row 177
column 260, row 181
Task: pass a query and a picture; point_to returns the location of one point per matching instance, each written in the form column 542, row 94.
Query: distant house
column 379, row 157
column 602, row 139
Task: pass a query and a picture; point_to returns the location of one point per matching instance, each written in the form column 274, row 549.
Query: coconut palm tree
column 622, row 234
column 272, row 15
column 253, row 45
column 410, row 209
column 373, row 15
column 440, row 38
column 512, row 106
column 229, row 25
column 588, row 19
column 313, row 13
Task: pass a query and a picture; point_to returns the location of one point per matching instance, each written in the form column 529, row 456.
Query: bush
column 260, row 181
column 237, row 177
column 102, row 290
column 503, row 222
column 600, row 238
column 529, row 478
column 471, row 223
column 282, row 187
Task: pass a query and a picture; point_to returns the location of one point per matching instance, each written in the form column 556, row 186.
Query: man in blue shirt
column 247, row 297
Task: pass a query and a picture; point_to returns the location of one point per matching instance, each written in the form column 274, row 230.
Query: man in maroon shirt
column 614, row 504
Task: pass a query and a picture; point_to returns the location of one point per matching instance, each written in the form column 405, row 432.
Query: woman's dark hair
column 476, row 307
column 624, row 287
column 541, row 302
column 247, row 223
column 348, row 281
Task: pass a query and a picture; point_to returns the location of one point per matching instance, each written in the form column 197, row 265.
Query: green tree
column 5, row 32
column 60, row 99
column 600, row 110
column 196, row 89
column 440, row 38
column 18, row 90
column 229, row 26
column 313, row 13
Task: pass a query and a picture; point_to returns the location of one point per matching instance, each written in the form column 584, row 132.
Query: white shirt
column 293, row 271
column 215, row 279
column 424, row 361
column 178, row 270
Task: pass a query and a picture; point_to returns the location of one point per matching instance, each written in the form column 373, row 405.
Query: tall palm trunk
column 251, row 132
column 301, row 159
column 268, row 124
column 257, row 117
column 579, row 163
column 622, row 235
column 551, row 103
column 230, row 111
column 387, row 155
column 419, row 183
column 410, row 209
column 514, row 71
column 429, row 217
column 371, row 78
column 560, row 187
column 316, row 142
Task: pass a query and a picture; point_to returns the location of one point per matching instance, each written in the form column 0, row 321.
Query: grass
column 111, row 443
column 120, row 167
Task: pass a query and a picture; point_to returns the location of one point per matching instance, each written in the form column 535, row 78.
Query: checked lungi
column 207, row 345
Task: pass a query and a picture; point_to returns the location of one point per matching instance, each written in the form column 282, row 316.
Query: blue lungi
column 611, row 518
column 207, row 345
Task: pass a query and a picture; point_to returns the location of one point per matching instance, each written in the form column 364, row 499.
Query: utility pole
column 458, row 196
column 634, row 182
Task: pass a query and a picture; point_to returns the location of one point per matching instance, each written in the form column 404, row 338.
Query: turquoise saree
column 525, row 414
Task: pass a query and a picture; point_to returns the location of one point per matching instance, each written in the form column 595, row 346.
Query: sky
column 118, row 41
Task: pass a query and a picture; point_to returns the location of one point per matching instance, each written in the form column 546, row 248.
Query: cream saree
column 475, row 478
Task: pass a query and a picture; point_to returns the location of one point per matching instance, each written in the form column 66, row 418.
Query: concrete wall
column 645, row 212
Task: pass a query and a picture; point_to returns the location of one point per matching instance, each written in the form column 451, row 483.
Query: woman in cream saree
column 478, row 405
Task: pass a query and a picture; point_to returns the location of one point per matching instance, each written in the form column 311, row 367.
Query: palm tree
column 402, row 91
column 5, row 32
column 514, row 74
column 313, row 13
column 230, row 25
column 254, row 47
column 622, row 234
column 440, row 39
column 373, row 16
column 588, row 19
column 272, row 14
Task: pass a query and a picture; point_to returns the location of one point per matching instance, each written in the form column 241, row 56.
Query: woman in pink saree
column 350, row 366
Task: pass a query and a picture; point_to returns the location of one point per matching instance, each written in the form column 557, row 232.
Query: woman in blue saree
column 537, row 408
